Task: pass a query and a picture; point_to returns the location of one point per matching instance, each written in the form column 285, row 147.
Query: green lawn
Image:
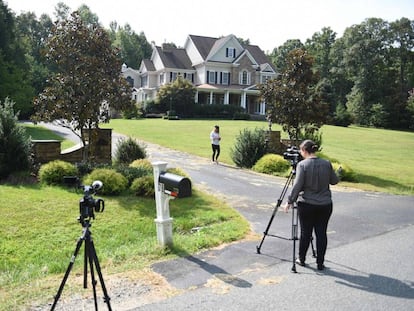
column 41, row 133
column 380, row 157
column 39, row 229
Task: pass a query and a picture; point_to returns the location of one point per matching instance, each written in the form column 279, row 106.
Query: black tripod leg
column 268, row 226
column 85, row 264
column 279, row 202
column 294, row 236
column 89, row 258
column 72, row 261
column 98, row 270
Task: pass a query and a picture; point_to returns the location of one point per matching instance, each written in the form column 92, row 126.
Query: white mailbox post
column 163, row 220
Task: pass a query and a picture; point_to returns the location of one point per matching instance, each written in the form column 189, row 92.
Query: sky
column 266, row 23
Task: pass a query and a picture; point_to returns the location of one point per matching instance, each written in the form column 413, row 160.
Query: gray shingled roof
column 149, row 65
column 203, row 44
column 174, row 58
column 259, row 55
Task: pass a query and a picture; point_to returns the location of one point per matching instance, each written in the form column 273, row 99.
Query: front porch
column 248, row 99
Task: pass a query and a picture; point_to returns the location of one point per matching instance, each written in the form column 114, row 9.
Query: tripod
column 89, row 257
column 294, row 235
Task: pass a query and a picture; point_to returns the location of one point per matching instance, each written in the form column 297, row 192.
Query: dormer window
column 231, row 52
column 244, row 77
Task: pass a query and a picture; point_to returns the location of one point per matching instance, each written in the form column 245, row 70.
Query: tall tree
column 134, row 47
column 366, row 61
column 178, row 96
column 88, row 81
column 14, row 81
column 293, row 99
column 320, row 46
column 279, row 55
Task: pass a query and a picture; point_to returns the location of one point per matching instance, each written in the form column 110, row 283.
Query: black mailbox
column 175, row 185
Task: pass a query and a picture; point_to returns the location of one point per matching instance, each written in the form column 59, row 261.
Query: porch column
column 262, row 108
column 211, row 97
column 226, row 97
column 196, row 97
column 243, row 100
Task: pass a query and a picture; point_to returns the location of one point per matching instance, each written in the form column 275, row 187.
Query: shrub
column 52, row 173
column 250, row 146
column 131, row 173
column 128, row 150
column 271, row 164
column 15, row 147
column 113, row 182
column 142, row 163
column 346, row 173
column 342, row 116
column 143, row 186
column 241, row 116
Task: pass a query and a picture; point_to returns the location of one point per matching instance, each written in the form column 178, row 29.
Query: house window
column 144, row 81
column 265, row 78
column 231, row 52
column 189, row 77
column 211, row 76
column 130, row 81
column 173, row 76
column 225, row 78
column 162, row 78
column 244, row 77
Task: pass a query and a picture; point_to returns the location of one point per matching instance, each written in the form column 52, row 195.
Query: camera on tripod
column 88, row 205
column 293, row 155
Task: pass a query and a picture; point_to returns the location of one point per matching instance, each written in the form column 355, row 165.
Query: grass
column 40, row 222
column 41, row 133
column 380, row 158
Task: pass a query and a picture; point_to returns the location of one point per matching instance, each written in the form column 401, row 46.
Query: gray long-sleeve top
column 312, row 180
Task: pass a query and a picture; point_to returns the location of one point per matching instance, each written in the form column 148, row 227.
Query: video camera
column 88, row 205
column 293, row 155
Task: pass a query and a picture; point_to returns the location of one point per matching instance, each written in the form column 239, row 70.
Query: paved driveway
column 369, row 258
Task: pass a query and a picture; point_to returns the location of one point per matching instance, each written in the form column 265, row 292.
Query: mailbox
column 175, row 185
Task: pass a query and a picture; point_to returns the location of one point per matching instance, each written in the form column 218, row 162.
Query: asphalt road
column 369, row 258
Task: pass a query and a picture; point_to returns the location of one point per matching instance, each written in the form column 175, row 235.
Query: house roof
column 260, row 57
column 174, row 58
column 203, row 44
column 149, row 65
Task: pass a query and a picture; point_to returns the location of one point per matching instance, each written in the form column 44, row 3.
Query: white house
column 223, row 70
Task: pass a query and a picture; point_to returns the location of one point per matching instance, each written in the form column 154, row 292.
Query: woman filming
column 313, row 195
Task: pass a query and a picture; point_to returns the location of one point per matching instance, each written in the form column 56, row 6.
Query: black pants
column 313, row 217
column 216, row 152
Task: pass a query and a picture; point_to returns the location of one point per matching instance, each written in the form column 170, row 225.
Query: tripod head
column 88, row 205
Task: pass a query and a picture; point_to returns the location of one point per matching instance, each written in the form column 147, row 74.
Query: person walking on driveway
column 215, row 143
column 313, row 195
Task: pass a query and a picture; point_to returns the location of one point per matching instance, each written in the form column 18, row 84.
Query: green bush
column 142, row 163
column 143, row 186
column 250, row 146
column 131, row 173
column 52, row 173
column 346, row 173
column 15, row 146
column 241, row 116
column 113, row 182
column 128, row 150
column 271, row 164
column 217, row 111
